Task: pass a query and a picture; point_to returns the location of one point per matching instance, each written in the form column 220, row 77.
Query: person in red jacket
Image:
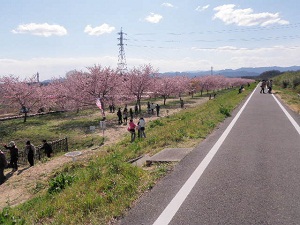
column 131, row 129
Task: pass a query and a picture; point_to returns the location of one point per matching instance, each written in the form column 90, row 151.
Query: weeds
column 6, row 217
column 225, row 110
column 60, row 182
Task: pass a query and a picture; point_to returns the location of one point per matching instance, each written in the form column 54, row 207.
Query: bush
column 60, row 182
column 285, row 83
column 296, row 82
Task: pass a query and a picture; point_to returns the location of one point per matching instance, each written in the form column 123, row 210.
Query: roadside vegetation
column 287, row 86
column 101, row 189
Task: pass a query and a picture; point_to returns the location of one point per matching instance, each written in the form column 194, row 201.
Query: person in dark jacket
column 157, row 109
column 119, row 114
column 30, row 151
column 3, row 164
column 47, row 147
column 14, row 155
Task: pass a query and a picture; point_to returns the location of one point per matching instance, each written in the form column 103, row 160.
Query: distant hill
column 241, row 72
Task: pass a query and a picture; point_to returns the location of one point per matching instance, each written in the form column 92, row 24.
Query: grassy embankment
column 96, row 191
column 287, row 86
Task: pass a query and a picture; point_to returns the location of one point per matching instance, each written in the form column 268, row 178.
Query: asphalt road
column 246, row 172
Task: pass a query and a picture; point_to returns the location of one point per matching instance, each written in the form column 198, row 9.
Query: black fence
column 57, row 146
column 29, row 115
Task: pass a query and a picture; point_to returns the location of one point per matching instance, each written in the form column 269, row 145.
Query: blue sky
column 53, row 37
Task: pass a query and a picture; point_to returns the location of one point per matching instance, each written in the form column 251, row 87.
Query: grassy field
column 100, row 190
column 287, row 86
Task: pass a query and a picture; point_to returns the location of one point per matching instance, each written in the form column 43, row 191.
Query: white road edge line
column 171, row 209
column 288, row 115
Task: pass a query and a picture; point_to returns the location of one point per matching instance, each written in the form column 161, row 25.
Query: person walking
column 131, row 113
column 181, row 103
column 270, row 85
column 30, row 152
column 119, row 114
column 125, row 115
column 3, row 165
column 152, row 108
column 141, row 128
column 48, row 148
column 263, row 86
column 14, row 155
column 136, row 110
column 157, row 109
column 131, row 129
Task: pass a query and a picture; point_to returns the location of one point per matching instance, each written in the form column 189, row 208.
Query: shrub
column 285, row 83
column 296, row 82
column 156, row 123
column 60, row 182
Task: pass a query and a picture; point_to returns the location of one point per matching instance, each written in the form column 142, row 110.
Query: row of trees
column 81, row 89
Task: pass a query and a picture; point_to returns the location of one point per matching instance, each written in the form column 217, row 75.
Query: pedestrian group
column 266, row 86
column 30, row 152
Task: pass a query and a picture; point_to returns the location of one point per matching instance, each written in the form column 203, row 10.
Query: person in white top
column 141, row 127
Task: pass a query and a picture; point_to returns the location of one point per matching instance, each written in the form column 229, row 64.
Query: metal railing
column 60, row 145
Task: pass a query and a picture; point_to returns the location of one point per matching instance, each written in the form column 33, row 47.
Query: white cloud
column 246, row 17
column 202, row 8
column 166, row 4
column 43, row 29
column 234, row 57
column 97, row 31
column 154, row 18
column 51, row 67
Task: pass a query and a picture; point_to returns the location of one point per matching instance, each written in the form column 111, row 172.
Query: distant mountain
column 241, row 72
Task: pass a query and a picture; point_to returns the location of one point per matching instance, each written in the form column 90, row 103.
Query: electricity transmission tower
column 122, row 67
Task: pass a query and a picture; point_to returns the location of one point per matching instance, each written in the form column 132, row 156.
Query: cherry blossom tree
column 194, row 86
column 22, row 94
column 182, row 84
column 84, row 88
column 138, row 81
column 165, row 87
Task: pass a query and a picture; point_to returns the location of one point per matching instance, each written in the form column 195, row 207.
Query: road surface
column 246, row 172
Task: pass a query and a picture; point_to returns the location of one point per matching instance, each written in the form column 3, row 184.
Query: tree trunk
column 25, row 116
column 138, row 101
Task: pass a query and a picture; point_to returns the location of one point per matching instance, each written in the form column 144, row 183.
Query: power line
column 248, row 29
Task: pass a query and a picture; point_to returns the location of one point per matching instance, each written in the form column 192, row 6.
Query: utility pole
column 122, row 67
column 211, row 70
column 38, row 77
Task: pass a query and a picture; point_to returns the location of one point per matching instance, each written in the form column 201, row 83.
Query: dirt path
column 22, row 184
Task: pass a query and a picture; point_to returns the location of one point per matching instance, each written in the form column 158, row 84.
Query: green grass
column 287, row 86
column 103, row 188
column 290, row 80
column 52, row 127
